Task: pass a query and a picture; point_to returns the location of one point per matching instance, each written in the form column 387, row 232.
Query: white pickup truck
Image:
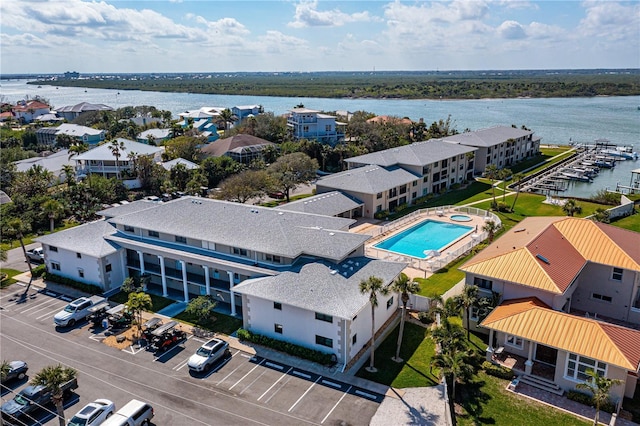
column 76, row 311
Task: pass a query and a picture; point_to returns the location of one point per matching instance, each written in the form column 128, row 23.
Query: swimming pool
column 423, row 237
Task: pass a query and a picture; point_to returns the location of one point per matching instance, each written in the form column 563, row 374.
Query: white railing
column 432, row 263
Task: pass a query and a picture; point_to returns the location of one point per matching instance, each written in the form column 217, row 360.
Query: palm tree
column 449, row 336
column 599, row 386
column 133, row 159
column 601, row 215
column 227, row 117
column 53, row 378
column 4, row 369
column 117, row 148
column 571, row 207
column 77, row 149
column 490, row 228
column 53, row 209
column 372, row 286
column 69, row 174
column 466, row 300
column 17, row 227
column 405, row 287
column 491, row 172
column 518, row 178
column 137, row 303
column 502, row 175
column 453, row 364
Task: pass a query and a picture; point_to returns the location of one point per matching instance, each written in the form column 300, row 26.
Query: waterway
column 557, row 121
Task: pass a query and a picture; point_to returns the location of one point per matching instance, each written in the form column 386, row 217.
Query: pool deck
column 372, row 226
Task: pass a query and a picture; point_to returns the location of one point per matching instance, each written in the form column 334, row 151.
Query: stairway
column 540, row 383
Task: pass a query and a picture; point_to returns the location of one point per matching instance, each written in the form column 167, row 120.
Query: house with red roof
column 570, row 301
column 27, row 111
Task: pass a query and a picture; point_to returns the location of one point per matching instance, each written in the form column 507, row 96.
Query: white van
column 135, row 413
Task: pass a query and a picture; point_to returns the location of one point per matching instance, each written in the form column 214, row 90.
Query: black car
column 17, row 370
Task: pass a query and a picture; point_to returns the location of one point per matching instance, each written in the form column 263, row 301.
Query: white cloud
column 308, row 15
column 611, row 20
column 511, row 30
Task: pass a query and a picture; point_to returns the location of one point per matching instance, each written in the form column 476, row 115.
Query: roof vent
column 332, row 233
column 280, row 213
column 333, row 272
column 544, row 259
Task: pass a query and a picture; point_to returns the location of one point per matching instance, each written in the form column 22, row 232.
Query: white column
column 528, row 364
column 141, row 257
column 206, row 279
column 184, row 281
column 164, row 277
column 489, row 354
column 233, row 296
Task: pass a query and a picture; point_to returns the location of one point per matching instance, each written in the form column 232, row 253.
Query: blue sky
column 225, row 36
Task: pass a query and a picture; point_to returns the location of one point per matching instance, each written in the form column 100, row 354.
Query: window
column 379, row 195
column 513, row 341
column 379, row 208
column 240, row 251
column 425, row 170
column 474, row 313
column 327, row 128
column 273, row 258
column 81, row 273
column 436, row 176
column 577, row 367
column 403, row 189
column 180, row 239
column 324, row 317
column 277, row 328
column 324, row 341
column 79, row 255
column 53, row 248
column 277, row 305
column 354, row 339
column 482, row 283
column 414, row 183
column 425, row 179
column 601, row 297
column 393, row 192
column 107, row 267
column 390, row 302
column 154, row 234
column 443, row 163
column 55, row 266
column 128, row 228
column 617, row 274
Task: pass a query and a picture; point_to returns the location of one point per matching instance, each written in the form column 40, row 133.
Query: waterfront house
column 71, row 112
column 294, row 275
column 570, row 291
column 157, row 136
column 305, row 123
column 384, row 180
column 27, row 111
column 81, row 134
column 242, row 112
column 242, row 148
column 502, row 146
column 100, row 160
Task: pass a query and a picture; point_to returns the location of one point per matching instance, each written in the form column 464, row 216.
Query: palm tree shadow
column 418, row 415
column 472, row 398
column 432, row 378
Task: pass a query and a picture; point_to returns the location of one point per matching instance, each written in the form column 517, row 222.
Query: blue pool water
column 425, row 236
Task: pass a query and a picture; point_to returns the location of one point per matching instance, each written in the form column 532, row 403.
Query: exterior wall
column 70, row 265
column 513, row 291
column 114, row 278
column 613, row 372
column 596, row 279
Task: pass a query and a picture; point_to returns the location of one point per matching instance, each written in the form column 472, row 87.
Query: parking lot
column 240, row 389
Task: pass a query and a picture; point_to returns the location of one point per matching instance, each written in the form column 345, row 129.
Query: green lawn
column 630, row 222
column 10, row 274
column 417, row 351
column 158, row 302
column 485, row 401
column 222, row 323
column 442, row 280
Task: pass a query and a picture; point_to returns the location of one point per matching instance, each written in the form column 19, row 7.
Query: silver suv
column 207, row 354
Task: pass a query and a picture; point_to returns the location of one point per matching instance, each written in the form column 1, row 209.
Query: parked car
column 93, row 414
column 17, row 370
column 76, row 311
column 208, row 354
column 36, row 255
column 134, row 413
column 278, row 195
column 31, row 398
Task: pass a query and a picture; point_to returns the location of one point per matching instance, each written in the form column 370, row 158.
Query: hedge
column 587, row 399
column 87, row 288
column 38, row 271
column 497, row 370
column 286, row 347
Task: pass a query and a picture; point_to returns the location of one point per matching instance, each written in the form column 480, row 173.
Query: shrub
column 381, row 214
column 401, row 207
column 39, row 271
column 88, row 288
column 497, row 370
column 587, row 399
column 504, row 207
column 286, row 347
column 426, row 317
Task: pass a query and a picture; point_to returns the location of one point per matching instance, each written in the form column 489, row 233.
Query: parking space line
column 48, row 314
column 48, row 307
column 335, row 405
column 275, row 383
column 45, row 303
column 249, row 372
column 181, row 365
column 264, row 371
column 304, row 394
column 229, row 375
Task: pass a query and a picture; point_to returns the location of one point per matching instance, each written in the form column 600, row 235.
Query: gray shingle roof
column 128, row 208
column 266, row 230
column 86, row 239
column 488, row 137
column 327, row 204
column 415, row 154
column 316, row 287
column 368, row 179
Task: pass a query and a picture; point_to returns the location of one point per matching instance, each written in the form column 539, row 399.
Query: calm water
column 556, row 120
column 424, row 237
